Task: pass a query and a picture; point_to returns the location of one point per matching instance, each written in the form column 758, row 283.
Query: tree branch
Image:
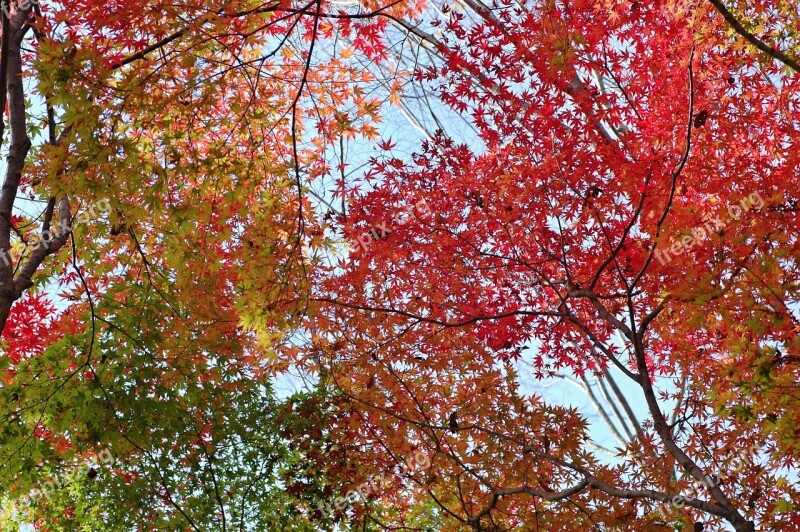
column 752, row 39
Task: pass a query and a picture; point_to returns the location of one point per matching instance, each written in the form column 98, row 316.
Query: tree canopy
column 318, row 265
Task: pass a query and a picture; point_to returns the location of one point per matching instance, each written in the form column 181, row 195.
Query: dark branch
column 752, row 39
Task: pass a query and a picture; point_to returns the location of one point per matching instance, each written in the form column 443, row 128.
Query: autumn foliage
column 602, row 192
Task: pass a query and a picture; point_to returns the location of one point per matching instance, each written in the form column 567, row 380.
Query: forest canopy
column 408, row 265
